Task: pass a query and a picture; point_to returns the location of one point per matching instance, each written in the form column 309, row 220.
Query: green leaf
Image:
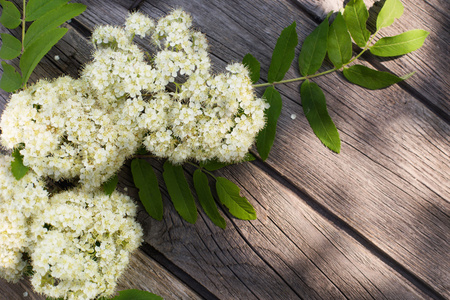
column 11, row 80
column 52, row 19
column 179, row 192
column 206, row 198
column 313, row 50
column 400, row 44
column 264, row 141
column 145, row 180
column 110, row 185
column 133, row 294
column 283, row 54
column 253, row 66
column 17, row 167
column 37, row 8
column 11, row 47
column 315, row 109
column 391, row 10
column 339, row 42
column 10, row 17
column 36, row 51
column 371, row 79
column 356, row 15
column 213, row 165
column 238, row 206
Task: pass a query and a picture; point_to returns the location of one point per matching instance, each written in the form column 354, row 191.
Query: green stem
column 294, row 79
column 367, row 47
column 201, row 168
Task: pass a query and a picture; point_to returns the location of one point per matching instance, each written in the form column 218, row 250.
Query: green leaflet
column 11, row 79
column 283, row 54
column 238, row 206
column 133, row 294
column 266, row 137
column 391, row 10
column 253, row 66
column 371, row 79
column 145, row 180
column 110, row 185
column 206, row 198
column 315, row 109
column 400, row 44
column 214, row 165
column 17, row 167
column 179, row 192
column 339, row 42
column 37, row 8
column 10, row 17
column 313, row 50
column 50, row 20
column 36, row 51
column 11, row 47
column 356, row 15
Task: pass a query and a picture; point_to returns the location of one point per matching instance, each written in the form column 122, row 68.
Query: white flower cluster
column 68, row 132
column 77, row 242
column 82, row 244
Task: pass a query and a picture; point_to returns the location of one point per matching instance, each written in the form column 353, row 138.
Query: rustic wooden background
column 371, row 222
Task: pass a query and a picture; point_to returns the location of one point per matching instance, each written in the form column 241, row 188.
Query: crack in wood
column 177, row 271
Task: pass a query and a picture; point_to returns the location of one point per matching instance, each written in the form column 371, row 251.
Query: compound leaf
column 391, row 10
column 238, row 206
column 11, row 47
column 179, row 192
column 10, row 17
column 110, row 185
column 37, row 50
column 50, row 20
column 133, row 294
column 356, row 15
column 266, row 136
column 253, row 66
column 400, row 44
column 283, row 54
column 17, row 167
column 339, row 42
column 371, row 79
column 145, row 180
column 313, row 50
column 315, row 109
column 11, row 79
column 206, row 198
column 37, row 8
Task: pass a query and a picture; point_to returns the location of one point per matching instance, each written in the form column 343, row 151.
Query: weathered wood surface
column 371, row 222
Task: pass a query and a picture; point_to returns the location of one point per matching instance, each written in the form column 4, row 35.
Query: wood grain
column 372, row 222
